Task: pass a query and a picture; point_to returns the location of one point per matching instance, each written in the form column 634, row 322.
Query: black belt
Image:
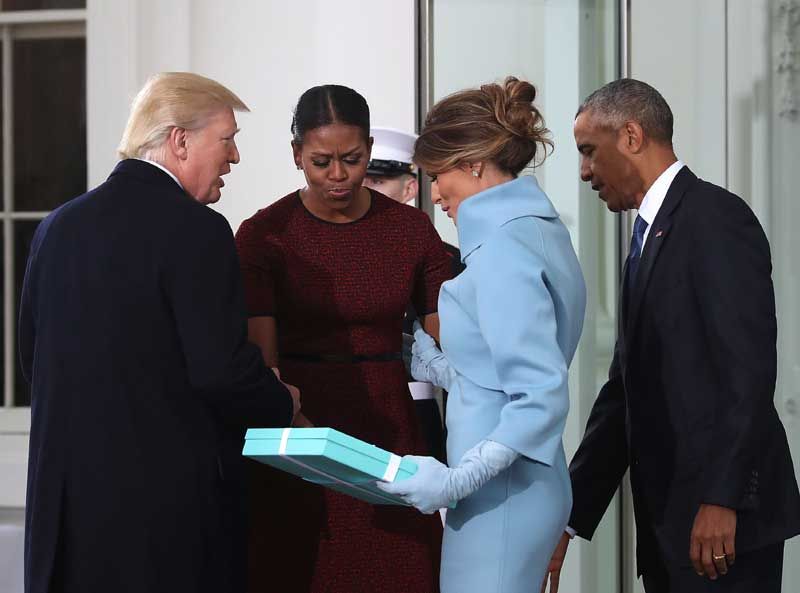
column 344, row 358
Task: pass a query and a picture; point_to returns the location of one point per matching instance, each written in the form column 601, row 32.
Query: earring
column 475, row 173
column 299, row 167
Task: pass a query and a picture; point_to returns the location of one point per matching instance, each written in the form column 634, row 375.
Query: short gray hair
column 627, row 99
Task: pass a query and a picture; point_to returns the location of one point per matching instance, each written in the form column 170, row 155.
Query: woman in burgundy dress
column 328, row 272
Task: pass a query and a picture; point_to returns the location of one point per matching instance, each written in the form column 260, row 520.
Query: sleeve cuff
column 570, row 532
column 421, row 391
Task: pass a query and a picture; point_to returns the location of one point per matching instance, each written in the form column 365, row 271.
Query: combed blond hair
column 169, row 100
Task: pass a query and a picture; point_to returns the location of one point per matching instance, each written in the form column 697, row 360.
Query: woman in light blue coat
column 510, row 324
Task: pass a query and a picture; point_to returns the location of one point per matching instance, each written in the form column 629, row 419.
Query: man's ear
column 410, row 190
column 177, row 143
column 633, row 137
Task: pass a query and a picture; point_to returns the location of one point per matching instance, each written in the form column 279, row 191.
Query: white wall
column 12, row 546
column 268, row 52
column 679, row 48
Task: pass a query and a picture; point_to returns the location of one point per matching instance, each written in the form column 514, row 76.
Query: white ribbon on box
column 388, row 476
column 391, row 470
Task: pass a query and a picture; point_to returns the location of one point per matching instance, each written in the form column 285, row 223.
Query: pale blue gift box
column 331, row 458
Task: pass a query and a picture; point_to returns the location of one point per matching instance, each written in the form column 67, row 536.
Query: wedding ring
column 722, row 557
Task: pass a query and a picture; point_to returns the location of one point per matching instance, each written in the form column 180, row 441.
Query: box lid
column 330, row 458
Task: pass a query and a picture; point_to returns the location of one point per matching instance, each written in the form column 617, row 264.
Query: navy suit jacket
column 688, row 405
column 133, row 334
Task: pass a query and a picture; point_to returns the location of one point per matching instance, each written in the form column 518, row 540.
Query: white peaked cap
column 392, row 145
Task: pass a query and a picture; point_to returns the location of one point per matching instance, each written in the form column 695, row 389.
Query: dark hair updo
column 497, row 123
column 327, row 104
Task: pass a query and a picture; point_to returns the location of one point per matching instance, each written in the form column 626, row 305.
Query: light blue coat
column 510, row 324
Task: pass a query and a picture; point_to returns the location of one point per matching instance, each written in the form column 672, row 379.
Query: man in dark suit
column 688, row 406
column 133, row 334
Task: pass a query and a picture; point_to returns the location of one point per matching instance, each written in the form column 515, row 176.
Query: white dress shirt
column 651, row 203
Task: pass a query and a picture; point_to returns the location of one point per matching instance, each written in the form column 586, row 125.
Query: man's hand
column 300, row 421
column 556, row 562
column 712, row 547
column 294, row 392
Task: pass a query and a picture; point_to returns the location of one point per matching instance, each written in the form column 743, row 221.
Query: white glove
column 435, row 486
column 426, row 489
column 428, row 363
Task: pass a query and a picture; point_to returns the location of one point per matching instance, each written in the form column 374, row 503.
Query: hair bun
column 496, row 122
column 514, row 109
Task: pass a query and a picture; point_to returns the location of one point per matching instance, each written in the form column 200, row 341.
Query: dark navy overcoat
column 133, row 335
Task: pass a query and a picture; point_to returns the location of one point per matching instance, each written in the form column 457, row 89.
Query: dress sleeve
column 517, row 319
column 260, row 262
column 435, row 267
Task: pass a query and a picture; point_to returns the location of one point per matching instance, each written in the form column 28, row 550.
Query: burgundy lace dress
column 339, row 291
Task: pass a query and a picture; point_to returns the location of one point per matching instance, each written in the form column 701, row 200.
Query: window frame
column 15, row 25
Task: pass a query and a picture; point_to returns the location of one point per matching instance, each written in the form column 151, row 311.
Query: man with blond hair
column 133, row 335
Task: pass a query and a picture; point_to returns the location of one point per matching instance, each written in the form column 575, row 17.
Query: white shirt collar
column 163, row 168
column 654, row 197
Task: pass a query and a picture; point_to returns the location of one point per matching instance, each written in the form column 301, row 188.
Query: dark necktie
column 635, row 253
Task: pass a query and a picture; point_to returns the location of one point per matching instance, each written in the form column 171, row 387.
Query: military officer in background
column 390, row 171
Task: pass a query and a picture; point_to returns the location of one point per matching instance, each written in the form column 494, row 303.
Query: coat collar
column 147, row 172
column 480, row 215
column 659, row 233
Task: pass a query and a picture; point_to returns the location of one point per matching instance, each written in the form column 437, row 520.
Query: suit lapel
column 659, row 231
column 622, row 313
